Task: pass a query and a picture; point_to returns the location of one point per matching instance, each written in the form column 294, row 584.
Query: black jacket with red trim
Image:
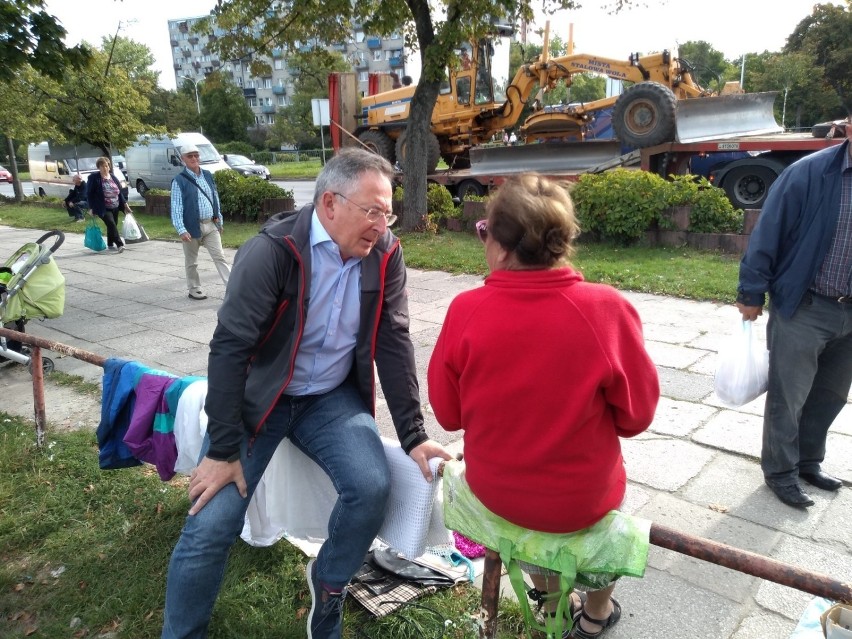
column 262, row 320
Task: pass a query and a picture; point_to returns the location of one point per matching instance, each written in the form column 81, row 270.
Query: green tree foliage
column 225, row 115
column 796, row 79
column 134, row 58
column 826, row 36
column 294, row 123
column 98, row 104
column 22, row 117
column 586, row 87
column 31, row 36
column 708, row 64
column 252, row 28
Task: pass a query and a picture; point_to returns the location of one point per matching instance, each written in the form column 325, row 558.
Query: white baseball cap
column 188, row 148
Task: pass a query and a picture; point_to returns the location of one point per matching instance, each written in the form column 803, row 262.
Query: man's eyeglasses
column 482, row 230
column 373, row 215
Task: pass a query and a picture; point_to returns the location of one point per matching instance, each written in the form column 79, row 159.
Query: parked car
column 5, row 176
column 245, row 166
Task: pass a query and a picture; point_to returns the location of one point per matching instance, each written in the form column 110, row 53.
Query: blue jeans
column 810, row 371
column 335, row 430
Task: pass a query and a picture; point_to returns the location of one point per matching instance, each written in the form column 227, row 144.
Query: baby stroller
column 31, row 287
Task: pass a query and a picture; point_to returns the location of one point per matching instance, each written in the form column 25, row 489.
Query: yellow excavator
column 664, row 103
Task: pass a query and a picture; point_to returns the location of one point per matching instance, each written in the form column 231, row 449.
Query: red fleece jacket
column 544, row 372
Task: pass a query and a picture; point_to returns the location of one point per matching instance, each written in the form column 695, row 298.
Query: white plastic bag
column 131, row 231
column 742, row 369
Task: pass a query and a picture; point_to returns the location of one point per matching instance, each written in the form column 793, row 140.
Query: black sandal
column 578, row 633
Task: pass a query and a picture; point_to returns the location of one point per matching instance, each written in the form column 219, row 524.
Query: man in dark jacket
column 314, row 301
column 801, row 253
column 76, row 200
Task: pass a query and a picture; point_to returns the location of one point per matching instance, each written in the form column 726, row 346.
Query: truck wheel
column 379, row 142
column 746, row 186
column 644, row 115
column 433, row 151
column 141, row 188
column 470, row 187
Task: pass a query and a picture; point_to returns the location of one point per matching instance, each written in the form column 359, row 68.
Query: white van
column 154, row 161
column 53, row 167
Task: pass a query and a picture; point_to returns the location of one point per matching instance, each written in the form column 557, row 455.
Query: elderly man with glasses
column 197, row 218
column 315, row 299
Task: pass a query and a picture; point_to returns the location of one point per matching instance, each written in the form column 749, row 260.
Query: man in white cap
column 197, row 218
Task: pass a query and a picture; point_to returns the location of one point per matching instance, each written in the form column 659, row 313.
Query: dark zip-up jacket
column 794, row 232
column 262, row 320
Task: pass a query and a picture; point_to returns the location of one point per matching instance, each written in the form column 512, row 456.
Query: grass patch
column 680, row 272
column 304, row 170
column 75, row 382
column 158, row 227
column 85, row 553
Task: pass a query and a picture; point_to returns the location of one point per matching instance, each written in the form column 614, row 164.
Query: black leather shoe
column 792, row 495
column 822, row 480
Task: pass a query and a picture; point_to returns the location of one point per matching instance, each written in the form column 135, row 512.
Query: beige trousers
column 212, row 241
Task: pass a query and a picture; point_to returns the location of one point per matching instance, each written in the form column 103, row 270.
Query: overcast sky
column 733, row 27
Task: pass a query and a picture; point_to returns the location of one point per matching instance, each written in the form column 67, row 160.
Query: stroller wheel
column 47, row 366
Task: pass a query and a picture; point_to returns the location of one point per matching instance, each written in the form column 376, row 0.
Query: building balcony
column 178, row 66
column 193, row 40
column 216, row 63
column 196, row 64
column 277, row 52
column 279, row 89
column 184, row 27
column 249, row 93
column 174, row 43
column 396, row 61
column 268, row 108
column 306, row 48
column 374, row 43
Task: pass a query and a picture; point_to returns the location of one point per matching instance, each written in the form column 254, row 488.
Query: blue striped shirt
column 834, row 277
column 327, row 350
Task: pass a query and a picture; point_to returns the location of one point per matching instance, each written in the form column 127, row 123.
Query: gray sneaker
column 325, row 620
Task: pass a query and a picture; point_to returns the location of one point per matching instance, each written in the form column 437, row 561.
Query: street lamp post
column 197, row 102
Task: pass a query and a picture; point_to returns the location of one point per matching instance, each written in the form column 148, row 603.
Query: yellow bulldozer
column 663, row 103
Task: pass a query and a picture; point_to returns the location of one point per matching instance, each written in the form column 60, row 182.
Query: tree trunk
column 13, row 167
column 414, row 166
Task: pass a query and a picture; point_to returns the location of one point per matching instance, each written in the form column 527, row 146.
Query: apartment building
column 194, row 60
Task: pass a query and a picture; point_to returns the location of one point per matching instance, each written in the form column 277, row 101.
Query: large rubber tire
column 746, row 186
column 433, row 151
column 141, row 187
column 470, row 187
column 644, row 115
column 379, row 142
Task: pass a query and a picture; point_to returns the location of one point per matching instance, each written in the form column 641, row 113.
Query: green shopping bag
column 93, row 239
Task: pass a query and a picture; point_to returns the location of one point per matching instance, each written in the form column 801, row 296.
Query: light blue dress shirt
column 327, row 350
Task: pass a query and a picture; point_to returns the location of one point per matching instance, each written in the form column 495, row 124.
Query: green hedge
column 243, row 196
column 621, row 205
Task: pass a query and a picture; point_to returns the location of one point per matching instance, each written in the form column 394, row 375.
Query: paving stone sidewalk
column 696, row 469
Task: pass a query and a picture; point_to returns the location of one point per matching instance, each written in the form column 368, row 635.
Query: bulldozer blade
column 726, row 116
column 551, row 157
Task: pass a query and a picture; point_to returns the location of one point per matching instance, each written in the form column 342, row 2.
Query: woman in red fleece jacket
column 544, row 372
